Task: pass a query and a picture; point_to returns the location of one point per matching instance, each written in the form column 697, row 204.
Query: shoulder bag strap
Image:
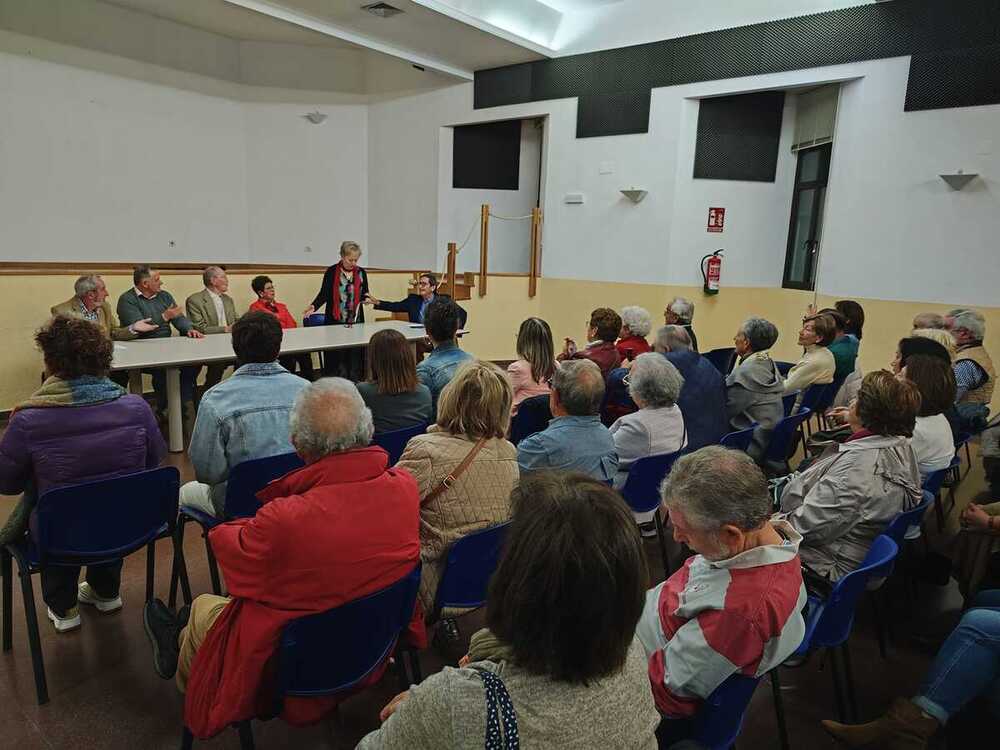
column 449, row 480
column 499, row 712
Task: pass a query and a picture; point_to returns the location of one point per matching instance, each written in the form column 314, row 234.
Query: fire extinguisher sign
column 716, row 219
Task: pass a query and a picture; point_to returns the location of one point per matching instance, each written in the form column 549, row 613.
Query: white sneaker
column 87, row 595
column 69, row 621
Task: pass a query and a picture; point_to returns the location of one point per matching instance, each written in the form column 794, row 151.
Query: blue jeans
column 189, row 375
column 968, row 664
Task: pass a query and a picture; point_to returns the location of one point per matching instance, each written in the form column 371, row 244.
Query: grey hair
column 580, row 387
column 683, row 308
column 715, row 487
column 761, row 334
column 329, row 416
column 85, row 284
column 210, row 273
column 972, row 321
column 673, row 339
column 637, row 320
column 929, row 320
column 655, row 381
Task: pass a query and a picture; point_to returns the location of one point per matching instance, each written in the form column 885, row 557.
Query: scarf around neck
column 82, row 391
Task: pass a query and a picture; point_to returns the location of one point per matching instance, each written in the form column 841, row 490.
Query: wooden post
column 536, row 241
column 484, row 247
column 452, row 252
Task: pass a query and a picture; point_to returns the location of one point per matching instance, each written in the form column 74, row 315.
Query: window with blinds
column 816, row 117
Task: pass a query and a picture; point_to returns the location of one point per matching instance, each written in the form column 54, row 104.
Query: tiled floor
column 104, row 693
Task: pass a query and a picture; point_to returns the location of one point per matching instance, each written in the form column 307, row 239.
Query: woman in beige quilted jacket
column 467, row 444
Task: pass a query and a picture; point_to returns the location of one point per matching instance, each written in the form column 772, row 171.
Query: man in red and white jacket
column 735, row 607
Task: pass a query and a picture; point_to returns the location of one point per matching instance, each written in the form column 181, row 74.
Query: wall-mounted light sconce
column 316, row 118
column 959, row 180
column 634, row 194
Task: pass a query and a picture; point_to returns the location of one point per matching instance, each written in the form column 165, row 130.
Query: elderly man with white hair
column 680, row 312
column 636, row 325
column 90, row 302
column 733, row 608
column 212, row 311
column 974, row 372
column 342, row 527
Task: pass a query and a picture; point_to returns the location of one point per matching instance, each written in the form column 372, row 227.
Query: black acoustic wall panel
column 738, row 137
column 487, row 156
column 609, row 83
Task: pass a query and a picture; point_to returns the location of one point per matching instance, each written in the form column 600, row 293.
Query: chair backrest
column 907, row 519
column 833, row 626
column 720, row 716
column 250, row 477
column 784, row 367
column 934, row 480
column 469, row 567
column 829, row 394
column 788, row 402
column 108, row 518
column 783, row 435
column 722, row 359
column 394, row 442
column 739, row 439
column 533, row 415
column 812, row 396
column 316, row 319
column 642, row 487
column 335, row 650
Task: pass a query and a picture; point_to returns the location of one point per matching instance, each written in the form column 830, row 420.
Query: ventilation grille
column 382, row 10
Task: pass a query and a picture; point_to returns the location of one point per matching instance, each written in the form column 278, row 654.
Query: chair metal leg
column 663, row 544
column 34, row 639
column 415, row 670
column 939, row 511
column 187, row 739
column 880, row 625
column 150, row 569
column 8, row 593
column 178, row 569
column 213, row 568
column 838, row 689
column 246, row 735
column 852, row 696
column 779, row 708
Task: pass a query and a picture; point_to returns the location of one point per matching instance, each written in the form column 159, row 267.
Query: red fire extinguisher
column 711, row 270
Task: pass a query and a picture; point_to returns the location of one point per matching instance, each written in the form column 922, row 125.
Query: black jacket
column 324, row 296
column 411, row 306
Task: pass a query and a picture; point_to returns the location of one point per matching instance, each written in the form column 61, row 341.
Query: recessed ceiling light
column 382, row 10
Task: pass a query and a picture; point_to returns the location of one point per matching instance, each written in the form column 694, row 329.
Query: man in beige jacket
column 90, row 302
column 212, row 311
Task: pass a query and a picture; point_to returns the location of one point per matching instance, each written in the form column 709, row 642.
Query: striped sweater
column 710, row 620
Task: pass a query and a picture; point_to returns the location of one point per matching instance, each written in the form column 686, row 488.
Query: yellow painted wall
column 493, row 320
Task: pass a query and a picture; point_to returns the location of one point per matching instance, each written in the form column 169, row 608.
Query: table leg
column 174, row 410
column 135, row 381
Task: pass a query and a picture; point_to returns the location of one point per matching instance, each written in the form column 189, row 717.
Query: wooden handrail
column 536, row 241
column 484, row 246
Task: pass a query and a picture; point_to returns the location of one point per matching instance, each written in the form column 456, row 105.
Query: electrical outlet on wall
column 308, row 249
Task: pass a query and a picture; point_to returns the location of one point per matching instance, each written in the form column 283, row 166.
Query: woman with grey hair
column 754, row 387
column 658, row 426
column 636, row 325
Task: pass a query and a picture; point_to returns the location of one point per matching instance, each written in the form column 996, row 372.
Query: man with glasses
column 415, row 305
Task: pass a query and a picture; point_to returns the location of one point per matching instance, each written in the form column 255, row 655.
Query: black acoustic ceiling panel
column 954, row 78
column 738, row 137
column 487, row 156
column 866, row 32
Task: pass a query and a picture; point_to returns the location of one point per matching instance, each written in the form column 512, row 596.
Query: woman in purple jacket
column 78, row 427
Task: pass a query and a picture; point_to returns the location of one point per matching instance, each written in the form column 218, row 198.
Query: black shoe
column 163, row 630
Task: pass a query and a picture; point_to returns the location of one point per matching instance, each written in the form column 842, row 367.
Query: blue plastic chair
column 811, row 397
column 739, row 439
column 89, row 524
column 722, row 359
column 719, row 719
column 906, row 520
column 394, row 442
column 468, row 569
column 784, row 367
column 829, row 622
column 533, row 415
column 316, row 319
column 784, row 438
column 245, row 481
column 788, row 402
column 826, row 400
column 642, row 492
column 934, row 483
column 335, row 651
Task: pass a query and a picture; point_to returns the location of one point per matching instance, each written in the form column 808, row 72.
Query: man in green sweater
column 148, row 301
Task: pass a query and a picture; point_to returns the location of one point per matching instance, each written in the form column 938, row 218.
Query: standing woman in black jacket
column 344, row 288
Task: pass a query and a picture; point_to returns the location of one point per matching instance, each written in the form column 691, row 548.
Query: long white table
column 174, row 352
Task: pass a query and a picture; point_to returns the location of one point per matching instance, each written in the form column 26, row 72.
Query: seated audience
column 636, row 326
column 90, row 302
column 658, row 426
column 817, row 365
column 939, row 335
column 147, row 301
column 930, row 320
column 974, row 372
column 754, row 387
column 575, row 439
column 393, row 393
column 415, row 305
column 344, row 513
column 966, row 667
column 529, row 374
column 245, row 417
column 602, row 332
column 854, row 490
column 703, row 397
column 680, row 312
column 212, row 311
column 933, row 442
column 843, row 347
column 559, row 638
column 266, row 302
column 464, row 467
column 77, row 427
column 441, row 321
column 735, row 606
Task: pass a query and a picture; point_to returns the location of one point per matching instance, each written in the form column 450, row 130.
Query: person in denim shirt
column 436, row 371
column 575, row 439
column 244, row 417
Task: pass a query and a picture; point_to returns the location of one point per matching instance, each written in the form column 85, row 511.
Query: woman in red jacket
column 602, row 332
column 636, row 325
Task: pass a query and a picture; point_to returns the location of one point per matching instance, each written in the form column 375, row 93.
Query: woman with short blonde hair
column 940, row 336
column 464, row 467
column 392, row 392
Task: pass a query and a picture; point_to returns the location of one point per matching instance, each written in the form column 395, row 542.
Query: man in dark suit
column 416, row 304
